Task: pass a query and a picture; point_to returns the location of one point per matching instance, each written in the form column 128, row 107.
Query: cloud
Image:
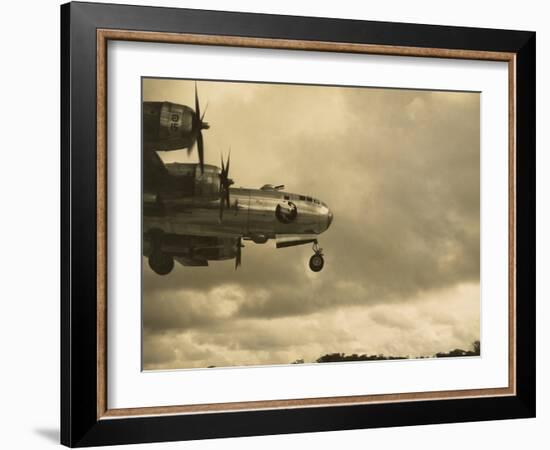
column 400, row 171
column 422, row 326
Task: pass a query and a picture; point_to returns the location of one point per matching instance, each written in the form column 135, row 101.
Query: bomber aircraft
column 193, row 214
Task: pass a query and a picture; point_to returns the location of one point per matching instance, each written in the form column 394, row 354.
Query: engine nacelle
column 193, row 182
column 168, row 126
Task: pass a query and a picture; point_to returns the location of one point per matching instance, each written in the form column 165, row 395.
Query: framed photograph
column 276, row 224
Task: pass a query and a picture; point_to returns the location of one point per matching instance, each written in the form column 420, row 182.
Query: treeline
column 475, row 350
column 338, row 357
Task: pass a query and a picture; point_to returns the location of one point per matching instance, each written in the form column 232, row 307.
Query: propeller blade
column 203, row 114
column 238, row 253
column 225, row 182
column 197, row 106
column 200, row 147
column 220, row 218
column 228, row 161
column 220, row 215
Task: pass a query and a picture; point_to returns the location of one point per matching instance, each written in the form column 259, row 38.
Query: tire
column 316, row 263
column 161, row 263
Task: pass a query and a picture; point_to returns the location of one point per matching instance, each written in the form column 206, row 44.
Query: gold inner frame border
column 105, row 35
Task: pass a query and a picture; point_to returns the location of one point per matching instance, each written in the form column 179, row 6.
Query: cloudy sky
column 400, row 171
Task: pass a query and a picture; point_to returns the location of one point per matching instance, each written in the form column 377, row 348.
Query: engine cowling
column 168, row 126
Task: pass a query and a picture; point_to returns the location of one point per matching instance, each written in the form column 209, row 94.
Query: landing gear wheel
column 161, row 263
column 316, row 262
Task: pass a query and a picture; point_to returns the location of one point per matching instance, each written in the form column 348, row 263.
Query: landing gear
column 160, row 262
column 316, row 262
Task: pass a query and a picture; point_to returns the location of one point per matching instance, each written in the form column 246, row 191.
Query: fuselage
column 258, row 214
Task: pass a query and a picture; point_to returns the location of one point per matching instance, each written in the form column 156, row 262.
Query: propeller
column 198, row 125
column 238, row 255
column 225, row 182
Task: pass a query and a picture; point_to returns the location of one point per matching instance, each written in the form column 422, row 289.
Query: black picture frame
column 80, row 425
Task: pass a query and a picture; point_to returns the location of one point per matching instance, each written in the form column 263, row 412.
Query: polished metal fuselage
column 252, row 214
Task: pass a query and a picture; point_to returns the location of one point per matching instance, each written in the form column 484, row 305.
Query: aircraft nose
column 329, row 218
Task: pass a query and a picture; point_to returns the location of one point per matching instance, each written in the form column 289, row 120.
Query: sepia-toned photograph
column 303, row 224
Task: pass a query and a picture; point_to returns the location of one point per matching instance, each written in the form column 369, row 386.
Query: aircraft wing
column 290, row 240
